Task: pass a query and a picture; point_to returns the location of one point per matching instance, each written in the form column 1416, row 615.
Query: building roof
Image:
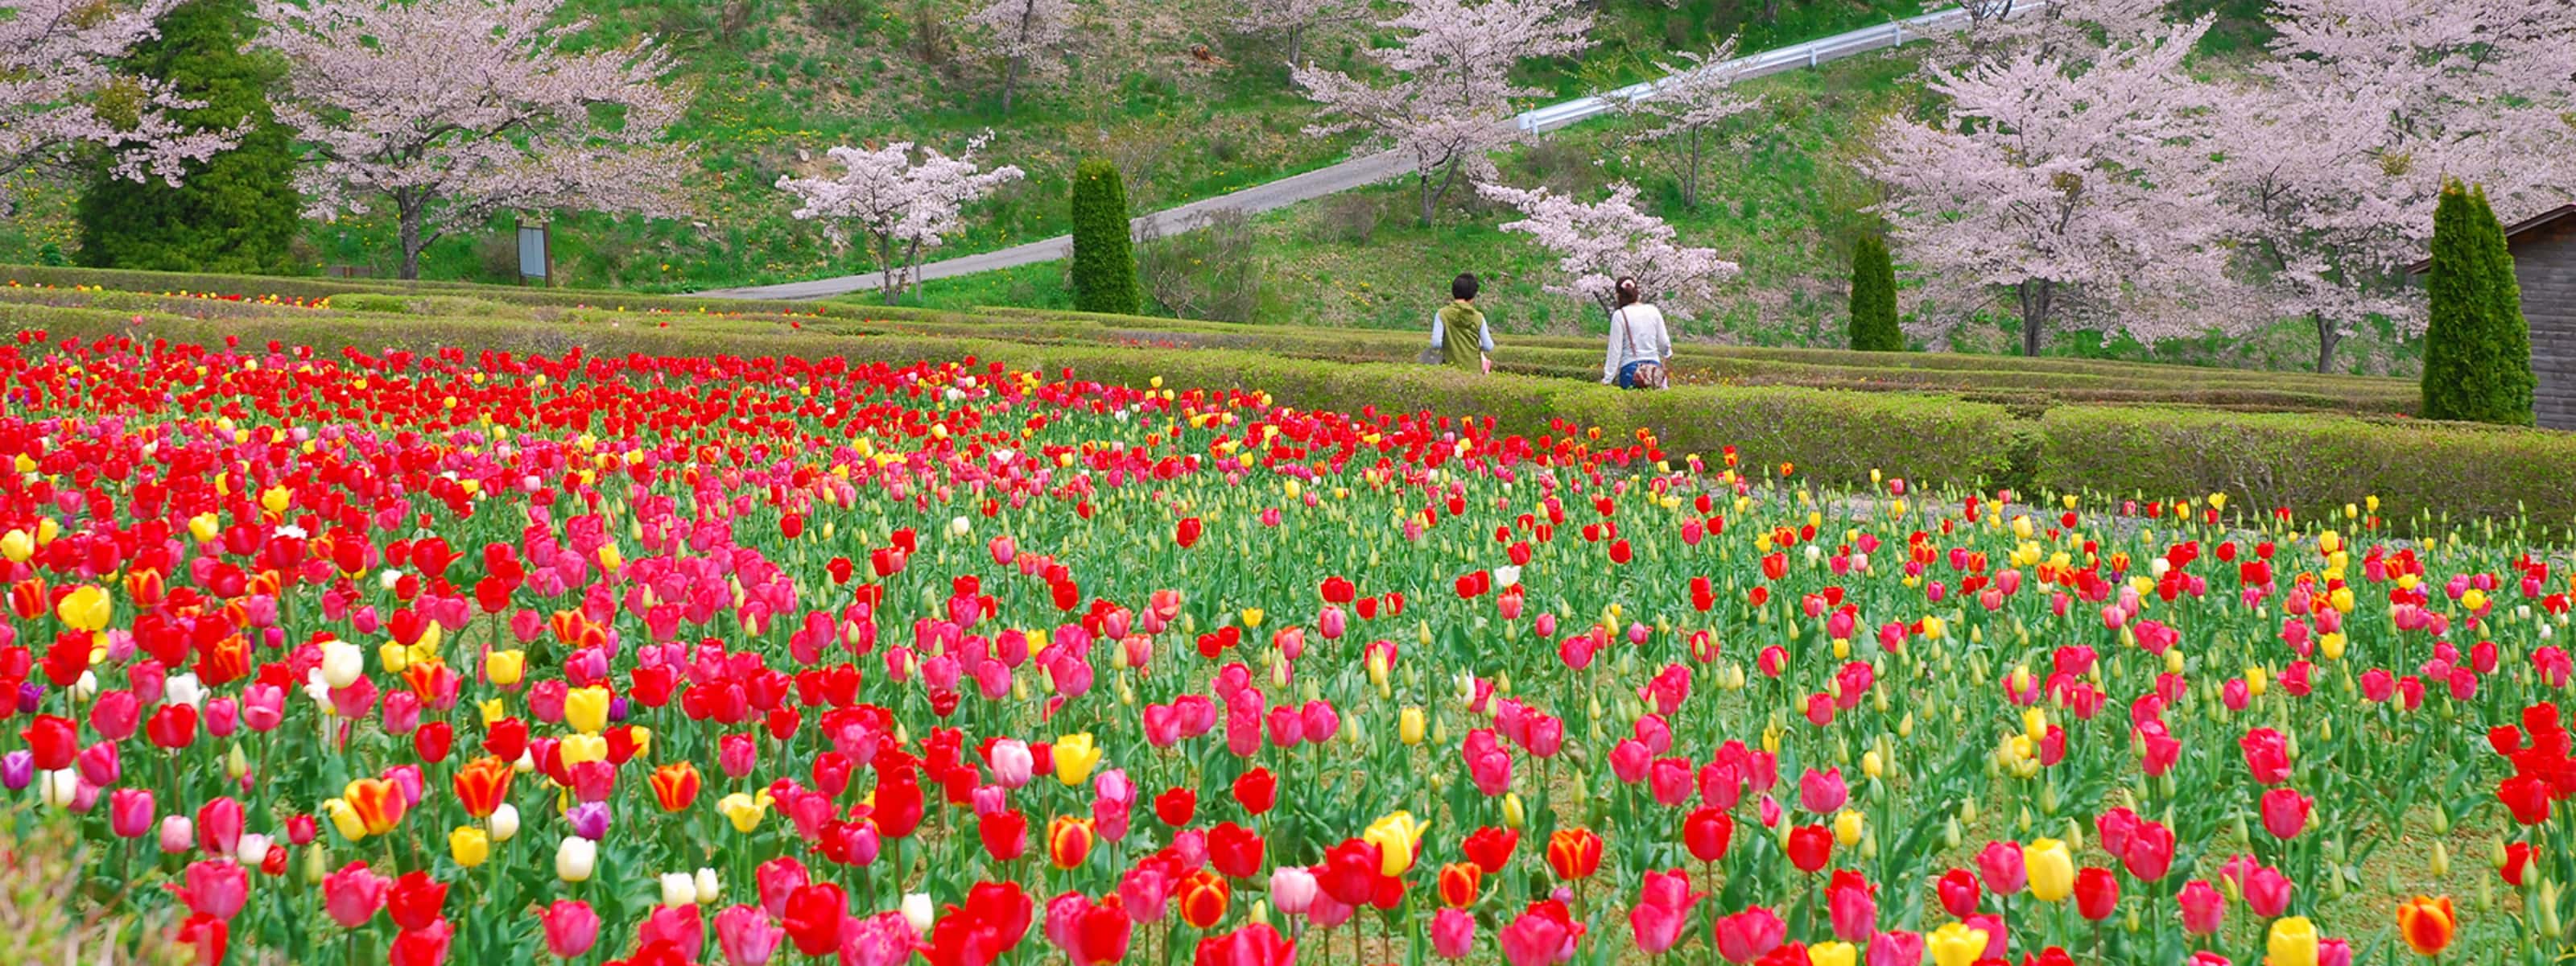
column 2525, row 226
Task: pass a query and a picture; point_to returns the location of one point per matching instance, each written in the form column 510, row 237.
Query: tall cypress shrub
column 236, row 212
column 1104, row 256
column 2477, row 345
column 1873, row 298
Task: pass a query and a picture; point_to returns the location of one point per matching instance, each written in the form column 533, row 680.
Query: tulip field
column 337, row 657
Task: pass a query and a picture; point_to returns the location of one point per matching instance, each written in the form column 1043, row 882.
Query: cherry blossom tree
column 1446, row 103
column 1019, row 31
column 58, row 90
column 2077, row 194
column 899, row 205
column 2336, row 153
column 1694, row 94
column 452, row 111
column 2052, row 28
column 1597, row 243
column 1292, row 19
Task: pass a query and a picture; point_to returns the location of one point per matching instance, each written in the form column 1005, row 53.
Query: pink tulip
column 777, row 879
column 2285, row 812
column 1663, row 907
column 747, row 936
column 1629, row 760
column 215, row 887
column 1453, row 933
column 2267, row 892
column 129, row 812
column 884, row 939
column 2000, row 864
column 1746, row 936
column 1292, row 890
column 676, row 925
column 570, row 927
column 1896, row 949
column 1822, row 792
column 352, row 895
column 1532, row 940
column 219, row 826
column 2203, row 909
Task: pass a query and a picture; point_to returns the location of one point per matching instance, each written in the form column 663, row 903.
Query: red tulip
column 1350, row 872
column 1253, row 945
column 2097, row 893
column 53, row 740
column 1257, row 790
column 1005, row 834
column 1574, row 853
column 415, row 900
column 1491, row 848
column 1749, row 935
column 813, row 919
column 1959, row 893
column 1176, row 806
column 1810, row 847
column 426, row 946
column 1234, row 850
column 1706, row 833
column 2285, row 812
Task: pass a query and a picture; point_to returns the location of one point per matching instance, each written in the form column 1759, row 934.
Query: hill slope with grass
column 1184, row 106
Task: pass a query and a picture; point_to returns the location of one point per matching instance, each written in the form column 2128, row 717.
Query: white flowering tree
column 1025, row 34
column 2069, row 188
column 452, row 111
column 58, row 90
column 1447, row 101
column 898, row 204
column 1694, row 94
column 1598, row 243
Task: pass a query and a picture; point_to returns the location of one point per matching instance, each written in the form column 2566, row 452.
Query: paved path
column 1374, row 168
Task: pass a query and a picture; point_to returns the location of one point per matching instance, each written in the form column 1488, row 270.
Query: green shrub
column 234, row 212
column 1104, row 259
column 1873, row 299
column 2311, row 464
column 2477, row 346
column 370, row 302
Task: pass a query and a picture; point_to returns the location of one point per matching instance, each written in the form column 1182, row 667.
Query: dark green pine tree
column 238, row 211
column 2477, row 346
column 1104, row 256
column 1873, row 298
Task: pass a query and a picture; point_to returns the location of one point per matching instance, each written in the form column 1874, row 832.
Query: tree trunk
column 1690, row 185
column 912, row 265
column 412, row 242
column 889, row 277
column 2035, row 298
column 1430, row 196
column 1296, row 42
column 2327, row 338
column 1010, row 79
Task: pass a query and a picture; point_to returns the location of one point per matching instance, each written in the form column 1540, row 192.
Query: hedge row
column 2026, row 384
column 2423, row 472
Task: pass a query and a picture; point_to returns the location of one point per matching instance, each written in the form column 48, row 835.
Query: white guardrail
column 1768, row 62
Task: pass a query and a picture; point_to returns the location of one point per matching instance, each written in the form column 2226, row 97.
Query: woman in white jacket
column 1638, row 343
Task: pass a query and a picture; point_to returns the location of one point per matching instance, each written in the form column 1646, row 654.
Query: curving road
column 1374, row 168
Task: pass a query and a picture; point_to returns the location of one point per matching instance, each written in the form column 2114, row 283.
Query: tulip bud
column 708, row 887
column 1409, row 726
column 2441, row 864
column 1512, row 815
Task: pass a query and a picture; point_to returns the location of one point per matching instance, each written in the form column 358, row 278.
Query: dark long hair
column 1629, row 292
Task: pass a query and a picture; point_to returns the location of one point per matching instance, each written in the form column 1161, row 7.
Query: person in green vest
column 1458, row 317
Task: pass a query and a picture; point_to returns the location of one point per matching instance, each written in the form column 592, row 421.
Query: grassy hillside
column 1186, row 108
column 1782, row 195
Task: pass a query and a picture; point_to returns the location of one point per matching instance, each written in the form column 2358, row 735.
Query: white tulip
column 252, row 850
column 710, row 888
column 576, row 859
column 959, row 526
column 916, row 910
column 679, row 890
column 85, row 688
column 388, row 579
column 60, row 787
column 342, row 664
column 504, row 822
column 184, row 689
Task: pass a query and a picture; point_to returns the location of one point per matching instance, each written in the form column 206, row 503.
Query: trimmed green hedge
column 2312, row 465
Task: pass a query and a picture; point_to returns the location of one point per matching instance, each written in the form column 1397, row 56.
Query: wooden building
column 2544, row 262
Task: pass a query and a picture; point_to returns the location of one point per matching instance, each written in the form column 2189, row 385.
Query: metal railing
column 1809, row 54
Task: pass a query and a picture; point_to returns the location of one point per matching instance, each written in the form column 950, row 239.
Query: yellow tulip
column 345, row 819
column 1408, row 726
column 469, row 845
column 1513, row 813
column 2052, row 870
column 2293, row 943
column 493, row 709
column 1075, row 757
column 580, row 748
column 395, row 657
column 276, row 499
column 17, row 545
column 505, row 667
column 86, row 608
column 1832, row 954
column 205, row 527
column 743, row 811
column 1956, row 944
column 586, row 709
column 1252, row 618
column 1397, row 837
column 1847, row 828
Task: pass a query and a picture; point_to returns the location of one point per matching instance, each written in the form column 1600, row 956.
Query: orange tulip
column 1203, row 897
column 675, row 785
column 1459, row 884
column 482, row 785
column 1068, row 841
column 2427, row 924
column 379, row 804
column 1574, row 853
